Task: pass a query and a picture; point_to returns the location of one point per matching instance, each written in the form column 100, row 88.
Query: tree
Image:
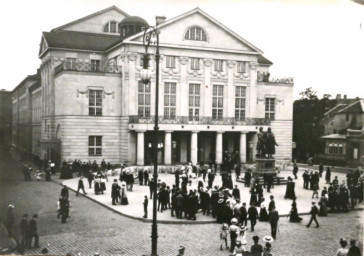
column 308, row 94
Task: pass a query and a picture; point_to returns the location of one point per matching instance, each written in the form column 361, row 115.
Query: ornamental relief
column 183, row 60
column 230, row 63
column 207, row 62
column 132, row 56
column 220, row 74
column 253, row 65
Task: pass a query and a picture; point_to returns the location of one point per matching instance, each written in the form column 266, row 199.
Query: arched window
column 111, row 27
column 195, row 33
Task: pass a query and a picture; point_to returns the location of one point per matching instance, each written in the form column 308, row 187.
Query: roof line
column 92, row 15
column 34, row 77
column 338, row 105
column 359, row 101
column 198, row 10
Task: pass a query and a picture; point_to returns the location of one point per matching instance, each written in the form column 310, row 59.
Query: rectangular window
column 241, row 67
column 95, row 145
column 170, row 62
column 217, row 102
column 143, row 100
column 71, row 63
column 95, row 65
column 240, row 95
column 194, row 102
column 170, row 100
column 270, row 108
column 95, row 103
column 218, row 65
column 195, row 63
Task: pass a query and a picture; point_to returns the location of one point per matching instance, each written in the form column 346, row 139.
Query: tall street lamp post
column 151, row 36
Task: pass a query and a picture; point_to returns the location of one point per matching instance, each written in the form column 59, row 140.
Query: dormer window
column 195, row 33
column 111, row 27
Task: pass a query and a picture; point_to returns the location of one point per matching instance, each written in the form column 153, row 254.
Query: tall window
column 95, row 65
column 94, row 145
column 170, row 100
column 95, row 103
column 270, row 108
column 71, row 63
column 111, row 27
column 218, row 65
column 194, row 102
column 195, row 63
column 241, row 67
column 170, row 62
column 195, row 33
column 143, row 100
column 240, row 94
column 217, row 102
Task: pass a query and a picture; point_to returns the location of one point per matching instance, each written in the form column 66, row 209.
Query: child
column 224, row 235
column 315, row 190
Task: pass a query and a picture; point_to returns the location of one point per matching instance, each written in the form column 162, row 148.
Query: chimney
column 345, row 97
column 338, row 96
column 160, row 19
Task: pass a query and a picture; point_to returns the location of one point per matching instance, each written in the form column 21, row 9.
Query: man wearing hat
column 115, row 192
column 24, row 229
column 243, row 215
column 81, row 186
column 10, row 219
column 272, row 204
column 273, row 220
column 33, row 232
column 313, row 212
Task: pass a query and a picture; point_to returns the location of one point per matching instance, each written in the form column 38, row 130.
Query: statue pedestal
column 265, row 165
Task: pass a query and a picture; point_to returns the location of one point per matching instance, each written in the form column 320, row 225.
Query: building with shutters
column 215, row 92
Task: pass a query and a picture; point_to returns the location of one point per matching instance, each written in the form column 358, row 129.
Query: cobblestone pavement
column 93, row 228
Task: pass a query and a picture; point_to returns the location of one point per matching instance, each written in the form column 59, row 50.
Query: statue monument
column 266, row 148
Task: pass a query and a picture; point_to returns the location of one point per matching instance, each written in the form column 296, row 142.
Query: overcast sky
column 318, row 42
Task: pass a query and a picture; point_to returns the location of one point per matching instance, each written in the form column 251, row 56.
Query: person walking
column 273, row 220
column 233, row 230
column 64, row 191
column 272, row 203
column 145, row 206
column 314, row 211
column 115, row 192
column 33, row 232
column 10, row 220
column 252, row 215
column 81, row 186
column 295, row 171
column 140, row 176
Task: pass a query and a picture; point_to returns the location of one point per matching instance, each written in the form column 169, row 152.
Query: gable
column 218, row 36
column 43, row 45
column 95, row 23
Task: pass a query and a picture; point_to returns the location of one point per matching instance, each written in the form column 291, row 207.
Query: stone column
column 167, row 147
column 242, row 150
column 219, row 147
column 140, row 147
column 194, row 148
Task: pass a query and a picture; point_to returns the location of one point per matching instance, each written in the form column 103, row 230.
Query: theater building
column 214, row 92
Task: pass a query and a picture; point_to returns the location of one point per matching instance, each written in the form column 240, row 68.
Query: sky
column 320, row 43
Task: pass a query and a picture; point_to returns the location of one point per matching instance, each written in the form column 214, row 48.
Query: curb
column 168, row 221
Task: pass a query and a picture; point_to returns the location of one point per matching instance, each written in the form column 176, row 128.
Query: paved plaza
column 136, row 197
column 94, row 228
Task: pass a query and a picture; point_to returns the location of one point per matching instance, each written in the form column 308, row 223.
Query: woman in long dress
column 124, row 198
column 293, row 216
column 323, row 206
column 263, row 214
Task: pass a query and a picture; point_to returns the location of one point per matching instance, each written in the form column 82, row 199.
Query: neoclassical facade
column 214, row 92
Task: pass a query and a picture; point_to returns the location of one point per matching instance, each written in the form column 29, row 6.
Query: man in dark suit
column 273, row 220
column 306, row 179
column 115, row 192
column 33, row 232
column 243, row 215
column 176, row 176
column 236, row 192
column 145, row 205
column 253, row 215
column 247, row 178
column 146, row 177
column 24, row 230
column 272, row 204
column 81, row 186
column 313, row 212
column 64, row 192
column 140, row 176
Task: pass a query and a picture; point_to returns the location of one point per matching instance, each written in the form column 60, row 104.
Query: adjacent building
column 5, row 118
column 344, row 134
column 89, row 103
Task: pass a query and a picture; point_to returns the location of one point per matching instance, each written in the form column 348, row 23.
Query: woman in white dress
column 124, row 198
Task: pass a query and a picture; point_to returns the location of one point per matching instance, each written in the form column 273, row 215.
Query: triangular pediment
column 94, row 23
column 43, row 45
column 218, row 36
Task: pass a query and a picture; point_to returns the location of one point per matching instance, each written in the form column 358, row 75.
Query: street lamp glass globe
column 146, row 75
